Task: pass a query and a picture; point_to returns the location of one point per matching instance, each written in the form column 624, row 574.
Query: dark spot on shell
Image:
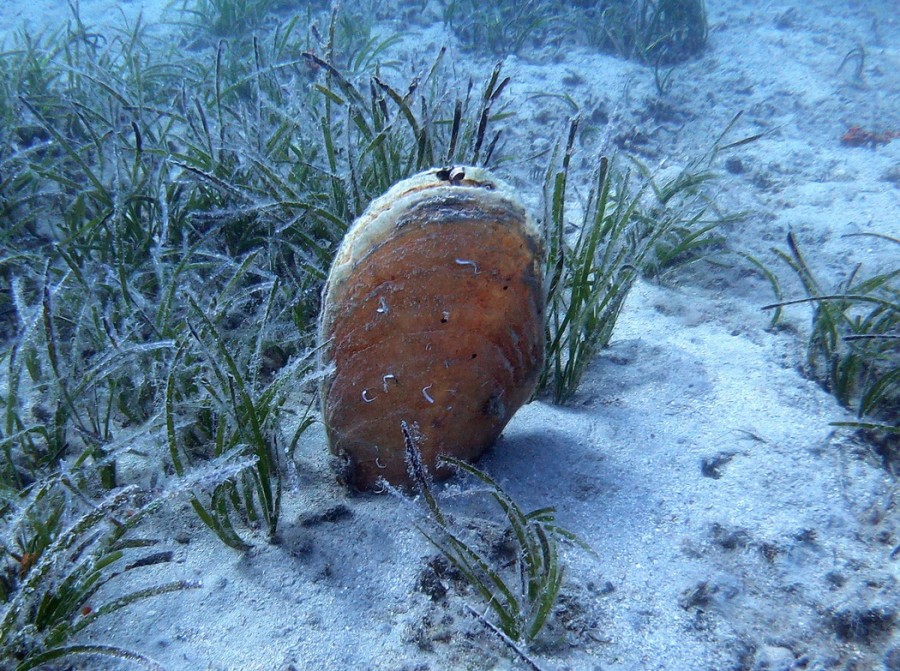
column 453, row 175
column 494, row 407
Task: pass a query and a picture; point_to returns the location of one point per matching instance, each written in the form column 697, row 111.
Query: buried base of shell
column 433, row 315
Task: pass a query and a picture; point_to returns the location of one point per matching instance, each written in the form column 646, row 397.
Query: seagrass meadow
column 703, row 473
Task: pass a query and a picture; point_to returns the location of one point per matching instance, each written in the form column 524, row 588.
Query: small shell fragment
column 440, row 243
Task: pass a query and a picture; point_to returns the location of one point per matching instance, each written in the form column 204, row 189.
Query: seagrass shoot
column 852, row 348
column 520, row 592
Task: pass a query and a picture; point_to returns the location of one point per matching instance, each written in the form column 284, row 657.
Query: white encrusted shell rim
column 382, row 214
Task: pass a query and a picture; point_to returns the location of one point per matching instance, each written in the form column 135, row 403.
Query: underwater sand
column 734, row 528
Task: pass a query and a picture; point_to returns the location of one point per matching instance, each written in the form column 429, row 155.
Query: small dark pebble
column 430, row 585
column 734, row 165
column 892, row 175
column 433, row 575
column 712, row 467
column 770, row 551
column 863, row 625
column 730, row 539
column 698, row 596
column 573, row 79
column 598, row 116
column 787, row 19
column 333, row 514
column 836, row 578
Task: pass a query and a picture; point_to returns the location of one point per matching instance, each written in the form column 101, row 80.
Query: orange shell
column 433, row 313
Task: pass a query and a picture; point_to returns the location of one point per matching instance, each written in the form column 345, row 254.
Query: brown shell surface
column 433, row 314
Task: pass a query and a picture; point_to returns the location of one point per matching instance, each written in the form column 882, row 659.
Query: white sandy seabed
column 734, row 528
